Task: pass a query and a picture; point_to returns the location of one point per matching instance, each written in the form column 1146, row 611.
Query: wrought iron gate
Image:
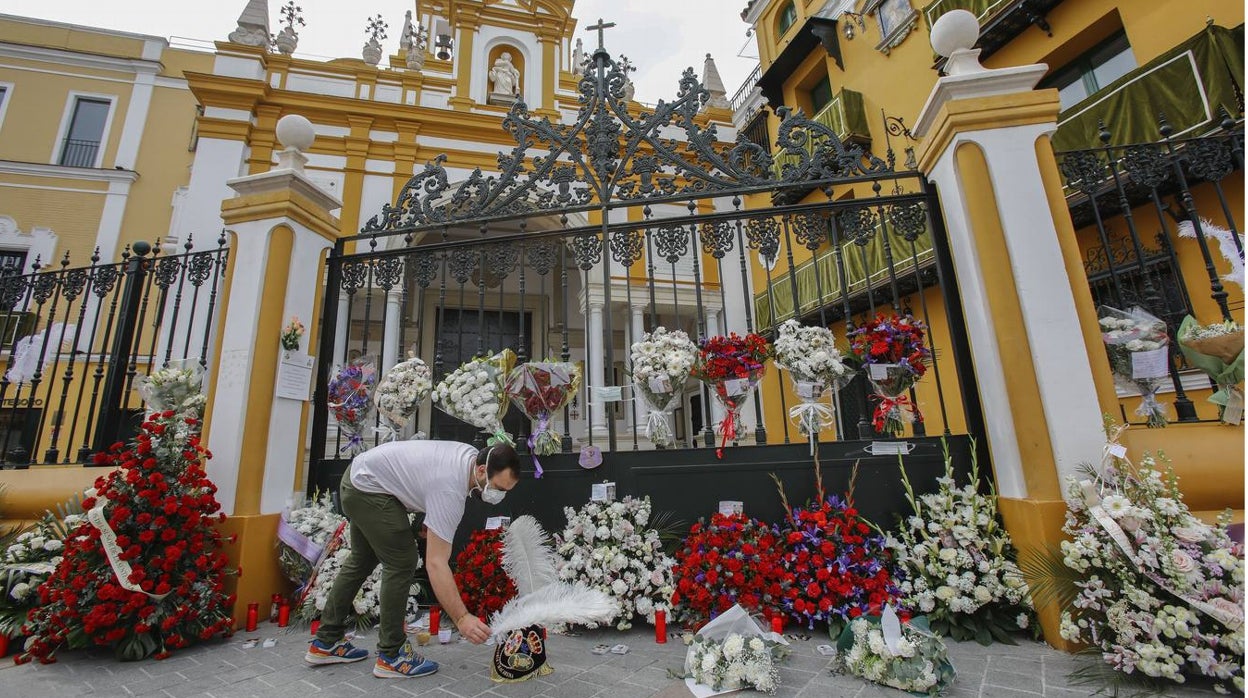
column 612, row 224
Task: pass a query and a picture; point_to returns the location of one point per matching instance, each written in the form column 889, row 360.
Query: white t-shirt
column 428, row 476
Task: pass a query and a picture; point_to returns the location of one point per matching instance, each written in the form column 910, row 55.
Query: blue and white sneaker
column 404, row 664
column 340, row 652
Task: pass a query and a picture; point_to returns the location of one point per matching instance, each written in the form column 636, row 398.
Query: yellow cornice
column 225, row 129
column 286, row 203
column 981, row 113
column 230, row 93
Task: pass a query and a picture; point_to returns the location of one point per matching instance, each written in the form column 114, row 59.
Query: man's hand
column 471, row 628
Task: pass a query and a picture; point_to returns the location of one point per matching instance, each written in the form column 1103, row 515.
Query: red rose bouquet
column 145, row 572
column 891, row 350
column 540, row 389
column 731, row 367
column 841, row 569
column 483, row 583
column 732, row 560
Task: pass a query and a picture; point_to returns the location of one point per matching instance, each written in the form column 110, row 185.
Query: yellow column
column 462, row 100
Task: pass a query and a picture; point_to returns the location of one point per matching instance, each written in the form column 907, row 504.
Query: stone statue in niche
column 505, row 80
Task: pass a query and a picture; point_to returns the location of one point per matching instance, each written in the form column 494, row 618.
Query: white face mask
column 491, row 496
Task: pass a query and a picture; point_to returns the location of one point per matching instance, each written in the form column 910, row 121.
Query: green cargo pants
column 380, row 533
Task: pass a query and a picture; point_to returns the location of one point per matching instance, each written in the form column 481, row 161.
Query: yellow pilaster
column 468, row 25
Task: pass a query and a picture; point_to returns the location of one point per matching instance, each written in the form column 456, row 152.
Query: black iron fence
column 79, row 153
column 75, row 338
column 1140, row 201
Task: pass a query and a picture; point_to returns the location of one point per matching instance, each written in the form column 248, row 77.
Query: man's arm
column 438, row 565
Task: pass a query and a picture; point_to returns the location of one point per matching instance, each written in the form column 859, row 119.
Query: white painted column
column 340, row 330
column 595, row 356
column 390, row 354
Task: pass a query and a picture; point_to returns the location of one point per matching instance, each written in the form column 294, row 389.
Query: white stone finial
column 294, row 132
column 714, row 84
column 253, row 25
column 953, row 36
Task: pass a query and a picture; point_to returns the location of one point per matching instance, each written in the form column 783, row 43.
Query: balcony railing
column 982, row 9
column 1191, row 84
column 747, row 87
column 76, row 153
column 845, row 116
column 999, row 20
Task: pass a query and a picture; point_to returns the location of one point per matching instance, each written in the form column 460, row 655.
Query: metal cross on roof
column 599, row 27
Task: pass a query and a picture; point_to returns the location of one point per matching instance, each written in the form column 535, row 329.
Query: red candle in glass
column 660, row 626
column 316, row 625
column 435, row 617
column 283, row 615
column 777, row 625
column 253, row 614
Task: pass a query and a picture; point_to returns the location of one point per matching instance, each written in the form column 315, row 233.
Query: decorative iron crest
column 608, row 155
column 763, row 234
column 671, row 242
column 858, row 224
column 101, row 284
column 44, row 286
column 199, row 268
column 542, row 256
column 12, row 290
column 462, row 263
column 354, row 274
column 809, row 229
column 1083, row 170
column 387, row 272
column 1146, row 165
column 627, row 246
column 909, row 220
column 717, row 238
column 73, row 283
column 424, row 268
column 586, row 250
column 502, row 258
column 166, row 271
column 1210, row 158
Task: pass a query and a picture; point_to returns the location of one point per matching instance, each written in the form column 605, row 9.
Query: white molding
column 135, row 123
column 987, row 83
column 67, row 117
column 5, row 99
column 35, row 169
column 108, row 233
column 39, row 243
column 79, row 60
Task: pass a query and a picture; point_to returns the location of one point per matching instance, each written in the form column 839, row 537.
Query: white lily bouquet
column 661, row 362
column 400, row 393
column 958, row 562
column 474, row 393
column 177, row 387
column 732, row 652
column 1139, row 354
column 1218, row 350
column 814, row 363
column 608, row 547
column 906, row 656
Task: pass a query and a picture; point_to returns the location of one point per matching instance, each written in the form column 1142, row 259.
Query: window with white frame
column 6, row 96
column 83, row 140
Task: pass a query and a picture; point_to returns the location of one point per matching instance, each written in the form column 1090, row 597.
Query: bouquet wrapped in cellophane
column 475, row 394
column 400, row 392
column 731, row 367
column 892, row 352
column 1218, row 350
column 350, row 403
column 540, row 389
column 814, row 363
column 1139, row 355
column 661, row 362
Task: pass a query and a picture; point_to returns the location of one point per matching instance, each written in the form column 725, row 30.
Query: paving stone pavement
column 224, row 669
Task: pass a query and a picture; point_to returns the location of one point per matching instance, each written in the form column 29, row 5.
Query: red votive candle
column 777, row 625
column 316, row 625
column 660, row 626
column 253, row 614
column 283, row 615
column 435, row 618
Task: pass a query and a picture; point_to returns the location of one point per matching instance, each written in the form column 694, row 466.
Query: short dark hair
column 501, row 457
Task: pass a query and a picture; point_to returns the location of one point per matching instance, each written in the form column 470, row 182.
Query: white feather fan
column 541, row 598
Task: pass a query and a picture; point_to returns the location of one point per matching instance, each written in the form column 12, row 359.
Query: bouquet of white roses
column 1139, row 355
column 958, row 562
column 302, row 534
column 607, row 546
column 1160, row 593
column 400, row 392
column 1218, row 350
column 177, row 387
column 732, row 652
column 474, row 393
column 810, row 356
column 26, row 563
column 905, row 656
column 661, row 362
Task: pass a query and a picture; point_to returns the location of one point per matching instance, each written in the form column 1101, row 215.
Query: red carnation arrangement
column 732, row 560
column 731, row 367
column 155, row 515
column 483, row 583
column 892, row 351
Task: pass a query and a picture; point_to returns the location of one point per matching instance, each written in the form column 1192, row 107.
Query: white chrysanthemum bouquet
column 1139, row 355
column 905, row 656
column 814, row 363
column 400, row 393
column 958, row 562
column 661, row 363
column 302, row 534
column 608, row 546
column 1159, row 592
column 732, row 652
column 474, row 393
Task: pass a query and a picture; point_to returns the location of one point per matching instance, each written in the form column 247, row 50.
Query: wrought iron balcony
column 999, row 20
column 76, row 153
column 847, row 118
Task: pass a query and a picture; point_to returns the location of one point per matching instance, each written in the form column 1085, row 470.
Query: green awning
column 855, row 271
column 982, row 9
column 1190, row 84
column 845, row 116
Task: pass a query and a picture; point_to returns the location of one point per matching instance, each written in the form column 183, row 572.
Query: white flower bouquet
column 732, row 652
column 177, row 387
column 906, row 656
column 540, row 389
column 814, row 363
column 608, row 546
column 31, row 556
column 1159, row 592
column 661, row 363
column 1139, row 355
column 1218, row 350
column 366, row 607
column 958, row 564
column 302, row 534
column 400, row 392
column 474, row 393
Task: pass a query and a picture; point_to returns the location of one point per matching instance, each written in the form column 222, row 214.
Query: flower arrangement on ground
column 1139, row 355
column 349, row 401
column 810, row 356
column 474, row 393
column 292, row 334
column 479, row 573
column 540, row 389
column 146, row 572
column 733, row 559
column 731, row 367
column 1218, row 350
column 958, row 562
column 400, row 393
column 365, row 608
column 732, row 653
column 906, row 656
column 1160, row 593
column 33, row 555
column 661, row 363
column 840, row 568
column 303, row 533
column 892, row 351
column 610, row 546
